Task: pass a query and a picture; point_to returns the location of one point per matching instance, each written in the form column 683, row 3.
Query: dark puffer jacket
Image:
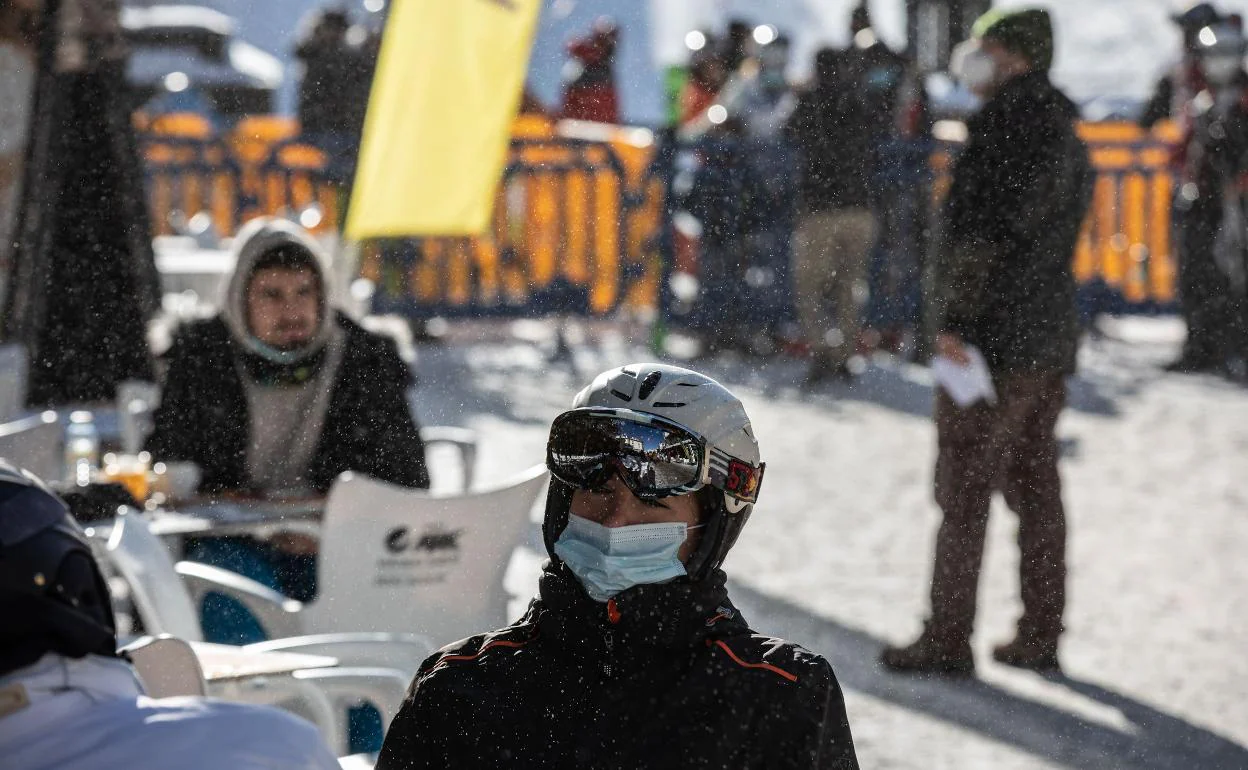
column 661, row 676
column 1020, row 190
column 368, row 427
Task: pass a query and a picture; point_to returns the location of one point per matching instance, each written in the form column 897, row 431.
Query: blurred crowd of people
column 1207, row 93
column 338, row 59
column 809, row 226
column 793, row 192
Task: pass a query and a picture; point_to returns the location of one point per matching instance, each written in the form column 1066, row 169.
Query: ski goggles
column 653, row 456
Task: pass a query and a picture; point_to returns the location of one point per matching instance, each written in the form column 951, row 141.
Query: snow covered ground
column 838, row 551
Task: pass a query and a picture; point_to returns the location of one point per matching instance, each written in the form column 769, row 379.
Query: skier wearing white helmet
column 632, row 655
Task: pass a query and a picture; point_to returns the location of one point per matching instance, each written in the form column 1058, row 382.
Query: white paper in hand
column 965, row 384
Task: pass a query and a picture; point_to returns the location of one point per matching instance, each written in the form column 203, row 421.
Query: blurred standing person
column 716, row 182
column 759, row 98
column 19, row 26
column 1220, row 136
column 1208, row 159
column 589, row 92
column 835, row 132
column 876, row 69
column 364, row 64
column 1005, row 285
column 1176, row 89
column 878, row 74
column 706, row 77
column 758, row 93
column 735, row 48
column 331, row 89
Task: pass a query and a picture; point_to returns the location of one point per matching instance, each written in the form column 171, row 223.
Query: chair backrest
column 167, row 666
column 162, row 600
column 35, row 443
column 397, row 559
column 463, row 440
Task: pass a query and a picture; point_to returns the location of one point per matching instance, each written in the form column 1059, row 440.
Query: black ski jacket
column 368, row 428
column 660, row 676
column 1020, row 190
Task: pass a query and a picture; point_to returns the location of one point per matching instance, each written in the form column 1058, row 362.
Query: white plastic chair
column 167, row 666
column 464, row 440
column 298, row 696
column 162, row 600
column 167, row 597
column 35, row 442
column 383, row 688
column 397, row 559
column 394, row 559
column 166, row 606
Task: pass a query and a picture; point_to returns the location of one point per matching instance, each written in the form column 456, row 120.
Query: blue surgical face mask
column 608, row 560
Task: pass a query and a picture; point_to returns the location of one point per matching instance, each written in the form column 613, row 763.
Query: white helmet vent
column 649, row 384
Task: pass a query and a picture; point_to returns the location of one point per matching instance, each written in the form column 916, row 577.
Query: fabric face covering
column 608, row 560
column 972, row 66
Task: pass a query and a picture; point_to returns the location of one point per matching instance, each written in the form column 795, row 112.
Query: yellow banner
column 447, row 87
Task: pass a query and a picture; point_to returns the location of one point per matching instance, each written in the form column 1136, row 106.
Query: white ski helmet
column 707, row 409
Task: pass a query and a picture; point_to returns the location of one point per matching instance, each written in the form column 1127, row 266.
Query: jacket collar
column 1025, row 93
column 671, row 615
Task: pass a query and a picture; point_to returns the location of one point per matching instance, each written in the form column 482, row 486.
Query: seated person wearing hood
column 280, row 393
column 276, row 397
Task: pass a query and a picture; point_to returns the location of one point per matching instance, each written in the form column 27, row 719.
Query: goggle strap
column 737, row 478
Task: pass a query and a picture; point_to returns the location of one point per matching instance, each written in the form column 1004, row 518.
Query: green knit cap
column 1028, row 32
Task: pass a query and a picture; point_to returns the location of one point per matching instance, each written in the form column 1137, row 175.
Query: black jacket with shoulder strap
column 368, row 427
column 660, row 676
column 1019, row 193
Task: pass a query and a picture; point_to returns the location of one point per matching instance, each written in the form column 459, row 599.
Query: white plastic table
column 226, row 517
column 223, row 662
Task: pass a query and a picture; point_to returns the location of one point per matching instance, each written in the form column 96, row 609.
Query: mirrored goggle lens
column 652, row 459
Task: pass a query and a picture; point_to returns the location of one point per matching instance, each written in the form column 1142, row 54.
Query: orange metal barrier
column 575, row 226
column 258, row 168
column 579, row 212
column 1126, row 238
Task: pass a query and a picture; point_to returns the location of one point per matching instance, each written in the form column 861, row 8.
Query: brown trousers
column 1010, row 446
column 831, row 250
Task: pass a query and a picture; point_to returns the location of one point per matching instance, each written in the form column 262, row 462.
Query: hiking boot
column 1029, row 654
column 925, row 656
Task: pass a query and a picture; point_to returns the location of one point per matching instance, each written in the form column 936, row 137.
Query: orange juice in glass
column 131, row 471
